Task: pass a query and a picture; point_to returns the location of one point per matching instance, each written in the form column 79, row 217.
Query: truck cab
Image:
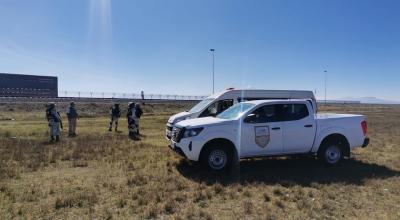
column 219, row 102
column 268, row 128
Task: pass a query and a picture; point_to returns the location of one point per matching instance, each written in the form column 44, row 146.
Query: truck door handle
column 308, row 126
column 276, row 128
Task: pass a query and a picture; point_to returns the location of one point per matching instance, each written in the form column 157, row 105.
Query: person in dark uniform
column 137, row 115
column 131, row 121
column 54, row 122
column 115, row 114
column 72, row 116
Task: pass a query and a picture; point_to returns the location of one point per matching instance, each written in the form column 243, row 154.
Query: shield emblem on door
column 262, row 136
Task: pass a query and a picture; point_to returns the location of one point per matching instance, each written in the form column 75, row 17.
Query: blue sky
column 163, row 46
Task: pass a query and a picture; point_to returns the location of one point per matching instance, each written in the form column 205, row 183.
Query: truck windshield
column 235, row 111
column 201, row 105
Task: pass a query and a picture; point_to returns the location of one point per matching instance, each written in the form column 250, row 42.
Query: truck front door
column 261, row 133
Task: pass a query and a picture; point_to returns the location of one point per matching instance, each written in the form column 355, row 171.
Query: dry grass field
column 105, row 175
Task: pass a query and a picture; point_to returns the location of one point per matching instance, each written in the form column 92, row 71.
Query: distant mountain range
column 370, row 100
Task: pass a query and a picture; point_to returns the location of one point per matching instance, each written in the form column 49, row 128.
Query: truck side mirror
column 251, row 118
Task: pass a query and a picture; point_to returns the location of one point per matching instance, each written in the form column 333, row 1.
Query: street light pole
column 326, row 73
column 213, row 75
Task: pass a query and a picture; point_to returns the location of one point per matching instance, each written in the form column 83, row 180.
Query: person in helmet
column 115, row 114
column 72, row 116
column 54, row 120
column 130, row 116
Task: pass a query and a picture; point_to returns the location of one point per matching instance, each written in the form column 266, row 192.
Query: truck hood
column 199, row 122
column 179, row 117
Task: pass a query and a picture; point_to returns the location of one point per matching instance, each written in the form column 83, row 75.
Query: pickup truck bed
column 348, row 125
column 333, row 115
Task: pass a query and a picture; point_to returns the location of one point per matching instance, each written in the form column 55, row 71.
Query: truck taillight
column 364, row 127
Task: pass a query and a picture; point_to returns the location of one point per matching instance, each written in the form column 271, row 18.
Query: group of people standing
column 55, row 122
column 133, row 116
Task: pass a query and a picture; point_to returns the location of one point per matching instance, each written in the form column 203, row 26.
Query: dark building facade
column 18, row 85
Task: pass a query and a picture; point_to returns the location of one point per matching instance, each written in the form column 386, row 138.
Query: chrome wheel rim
column 333, row 154
column 217, row 159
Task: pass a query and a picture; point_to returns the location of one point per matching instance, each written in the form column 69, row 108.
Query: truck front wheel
column 217, row 158
column 331, row 153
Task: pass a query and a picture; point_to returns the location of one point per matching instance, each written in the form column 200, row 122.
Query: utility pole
column 326, row 73
column 213, row 75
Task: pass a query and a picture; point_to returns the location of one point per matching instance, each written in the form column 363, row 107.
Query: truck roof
column 263, row 92
column 257, row 102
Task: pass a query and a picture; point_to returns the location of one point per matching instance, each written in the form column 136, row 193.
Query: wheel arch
column 337, row 138
column 223, row 142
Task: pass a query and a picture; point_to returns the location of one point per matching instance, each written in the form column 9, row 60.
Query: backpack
column 50, row 115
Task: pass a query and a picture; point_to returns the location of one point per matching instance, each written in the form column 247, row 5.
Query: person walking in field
column 72, row 116
column 115, row 114
column 54, row 120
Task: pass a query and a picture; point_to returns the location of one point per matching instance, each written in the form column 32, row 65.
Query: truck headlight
column 192, row 132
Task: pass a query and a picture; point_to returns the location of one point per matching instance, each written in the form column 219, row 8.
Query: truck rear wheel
column 331, row 153
column 217, row 158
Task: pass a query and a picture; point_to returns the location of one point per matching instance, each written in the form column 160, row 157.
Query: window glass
column 224, row 105
column 235, row 111
column 210, row 111
column 278, row 112
column 264, row 114
column 201, row 105
column 292, row 112
column 217, row 107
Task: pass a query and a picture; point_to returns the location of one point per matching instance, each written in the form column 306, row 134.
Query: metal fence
column 103, row 97
column 107, row 96
column 337, row 102
column 111, row 95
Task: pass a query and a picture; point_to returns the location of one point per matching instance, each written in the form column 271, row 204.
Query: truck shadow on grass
column 290, row 172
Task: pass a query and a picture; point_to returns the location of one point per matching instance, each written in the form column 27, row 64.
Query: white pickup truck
column 268, row 128
column 219, row 102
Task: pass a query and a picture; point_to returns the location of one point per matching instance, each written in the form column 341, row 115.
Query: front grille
column 177, row 134
column 169, row 130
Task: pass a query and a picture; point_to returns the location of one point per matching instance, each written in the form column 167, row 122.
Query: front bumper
column 187, row 148
column 366, row 142
column 177, row 150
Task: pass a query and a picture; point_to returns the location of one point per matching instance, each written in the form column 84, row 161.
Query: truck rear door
column 299, row 127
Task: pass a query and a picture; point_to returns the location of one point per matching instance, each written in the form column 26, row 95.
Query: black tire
column 331, row 153
column 217, row 157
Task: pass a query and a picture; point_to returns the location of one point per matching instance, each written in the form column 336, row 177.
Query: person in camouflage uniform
column 137, row 114
column 54, row 122
column 115, row 114
column 72, row 116
column 132, row 129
